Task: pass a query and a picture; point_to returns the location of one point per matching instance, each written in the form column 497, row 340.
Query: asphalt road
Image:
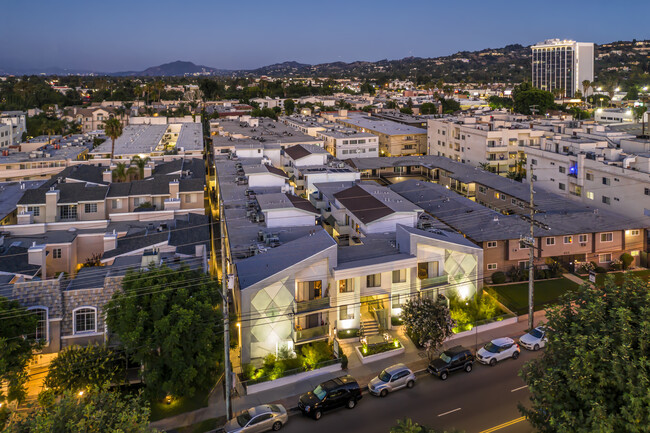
column 483, row 399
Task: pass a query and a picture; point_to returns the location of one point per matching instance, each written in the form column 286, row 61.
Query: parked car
column 262, row 418
column 338, row 392
column 535, row 339
column 454, row 359
column 498, row 350
column 391, row 379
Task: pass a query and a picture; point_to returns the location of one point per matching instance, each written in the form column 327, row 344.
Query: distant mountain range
column 510, row 63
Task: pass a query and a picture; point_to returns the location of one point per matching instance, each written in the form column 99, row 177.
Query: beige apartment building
column 499, row 140
column 395, row 139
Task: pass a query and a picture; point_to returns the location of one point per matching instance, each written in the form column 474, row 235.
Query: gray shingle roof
column 257, row 268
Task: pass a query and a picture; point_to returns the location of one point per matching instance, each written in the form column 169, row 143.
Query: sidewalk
column 287, row 395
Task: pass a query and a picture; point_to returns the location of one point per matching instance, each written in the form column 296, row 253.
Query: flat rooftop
column 146, row 139
column 381, row 126
column 268, row 130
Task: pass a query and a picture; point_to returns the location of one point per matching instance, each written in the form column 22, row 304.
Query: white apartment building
column 614, row 115
column 562, row 64
column 346, row 143
column 16, row 120
column 498, row 139
column 5, row 135
column 593, row 173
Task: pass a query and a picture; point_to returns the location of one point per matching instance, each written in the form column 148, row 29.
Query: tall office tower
column 562, row 64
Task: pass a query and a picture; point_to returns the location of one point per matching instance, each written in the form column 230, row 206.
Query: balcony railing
column 311, row 305
column 434, row 282
column 312, row 333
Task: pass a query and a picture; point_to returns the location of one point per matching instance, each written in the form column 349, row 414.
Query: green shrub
column 395, row 320
column 498, row 277
column 600, row 270
column 344, row 361
column 315, row 353
column 248, row 371
column 347, row 333
column 626, row 260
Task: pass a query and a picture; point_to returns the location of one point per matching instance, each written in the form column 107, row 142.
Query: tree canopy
column 168, row 321
column 17, row 345
column 593, row 375
column 428, row 322
column 77, row 368
column 527, row 97
column 95, row 411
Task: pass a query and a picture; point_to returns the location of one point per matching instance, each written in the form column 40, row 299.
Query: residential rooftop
column 150, row 139
column 385, row 127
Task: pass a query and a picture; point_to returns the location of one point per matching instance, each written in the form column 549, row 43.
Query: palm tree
column 121, row 173
column 407, row 426
column 113, row 129
column 484, row 166
column 127, row 110
column 586, row 84
column 141, row 164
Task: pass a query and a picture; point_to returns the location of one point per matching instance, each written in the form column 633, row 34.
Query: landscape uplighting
column 81, row 393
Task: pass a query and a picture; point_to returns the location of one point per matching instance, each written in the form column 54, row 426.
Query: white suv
column 498, row 350
column 535, row 339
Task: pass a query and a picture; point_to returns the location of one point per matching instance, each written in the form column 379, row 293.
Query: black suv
column 338, row 392
column 453, row 359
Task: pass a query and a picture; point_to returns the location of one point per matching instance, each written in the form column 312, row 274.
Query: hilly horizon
column 517, row 55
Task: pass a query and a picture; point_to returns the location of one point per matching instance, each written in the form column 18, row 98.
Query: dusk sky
column 133, row 35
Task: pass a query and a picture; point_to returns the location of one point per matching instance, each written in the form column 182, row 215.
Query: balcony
column 434, row 282
column 312, row 305
column 315, row 333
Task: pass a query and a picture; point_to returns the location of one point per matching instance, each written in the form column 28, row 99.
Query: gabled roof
column 264, row 169
column 296, row 152
column 68, row 193
column 301, row 203
column 262, row 266
column 363, row 205
column 284, row 201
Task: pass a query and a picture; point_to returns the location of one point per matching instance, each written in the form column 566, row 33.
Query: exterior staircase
column 369, row 327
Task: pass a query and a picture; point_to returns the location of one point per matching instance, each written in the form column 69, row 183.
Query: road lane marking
column 451, row 411
column 504, row 425
column 520, row 388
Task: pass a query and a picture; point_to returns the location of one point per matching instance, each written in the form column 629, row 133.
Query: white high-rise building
column 562, row 64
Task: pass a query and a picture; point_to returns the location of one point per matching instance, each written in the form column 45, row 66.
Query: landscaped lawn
column 619, row 276
column 160, row 410
column 515, row 296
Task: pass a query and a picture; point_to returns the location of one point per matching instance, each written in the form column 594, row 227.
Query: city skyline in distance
column 135, row 36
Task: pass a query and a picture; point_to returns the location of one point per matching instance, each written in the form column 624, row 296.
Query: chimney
column 51, row 199
column 150, row 257
column 36, row 255
column 110, row 241
column 343, row 113
column 148, row 170
column 174, row 189
column 107, row 175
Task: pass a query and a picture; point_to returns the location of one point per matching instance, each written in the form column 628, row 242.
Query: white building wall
column 264, row 180
column 388, row 223
column 288, row 218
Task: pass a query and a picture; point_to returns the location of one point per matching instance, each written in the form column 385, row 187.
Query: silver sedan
column 267, row 417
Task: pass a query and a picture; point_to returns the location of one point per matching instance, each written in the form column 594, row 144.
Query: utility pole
column 531, row 252
column 226, row 317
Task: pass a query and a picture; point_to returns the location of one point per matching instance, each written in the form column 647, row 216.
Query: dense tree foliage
column 96, row 411
column 17, row 345
column 289, row 106
column 497, row 102
column 428, row 322
column 77, row 368
column 169, row 321
column 449, row 106
column 593, row 375
column 527, row 98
